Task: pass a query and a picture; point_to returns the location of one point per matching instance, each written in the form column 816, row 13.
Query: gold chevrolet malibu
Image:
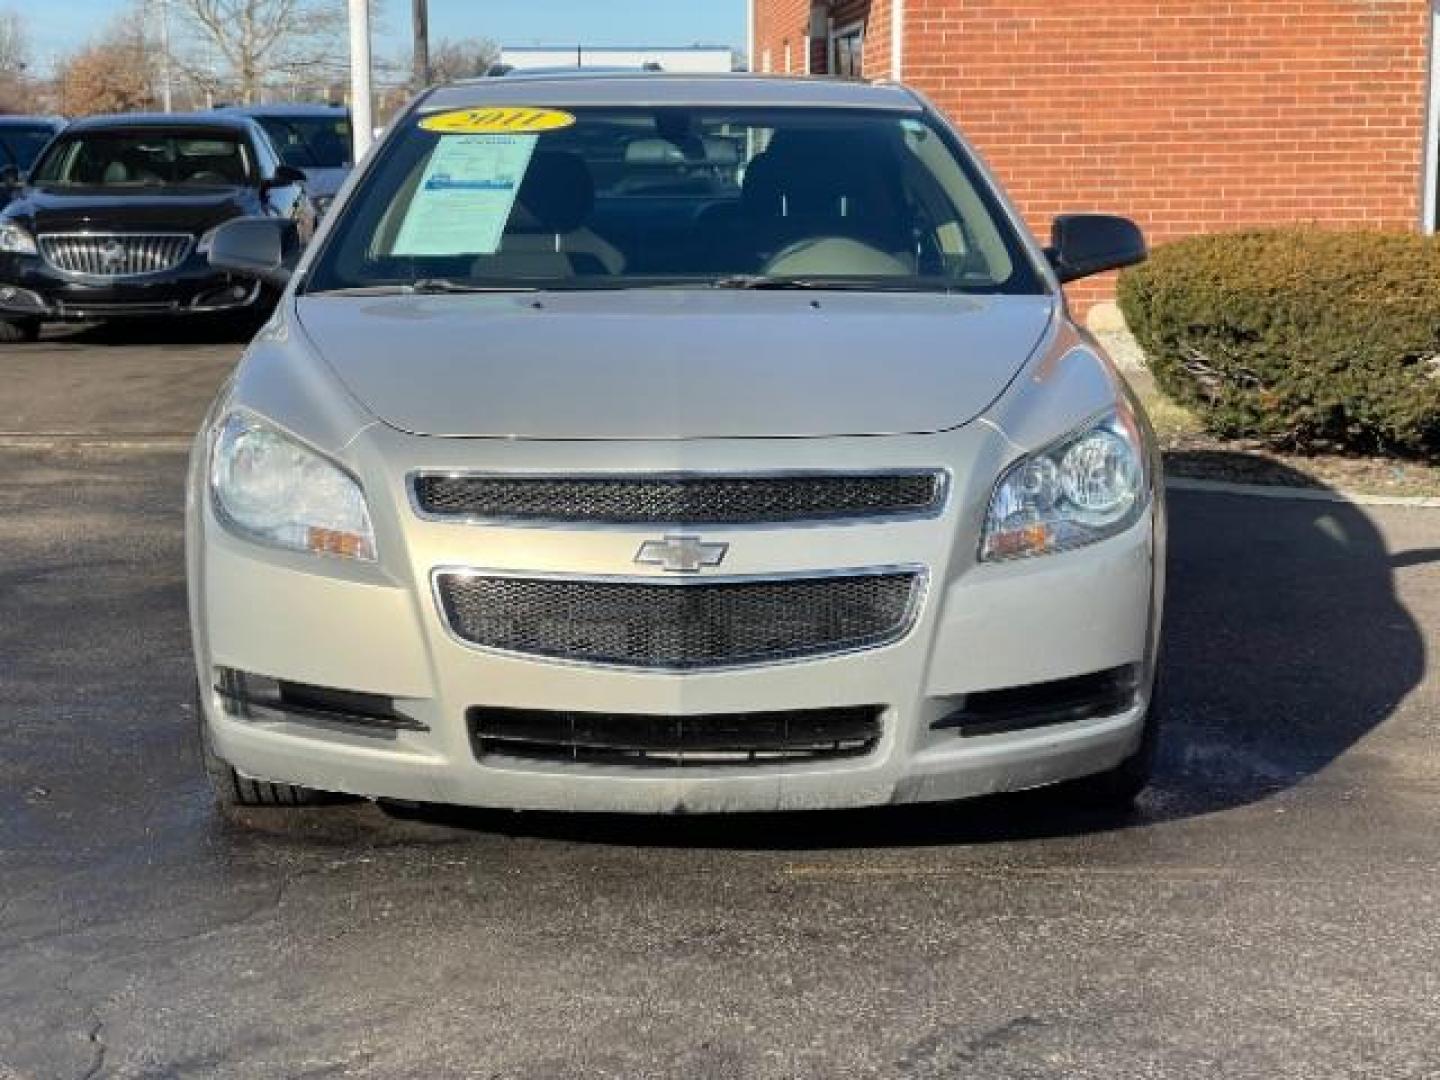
column 654, row 443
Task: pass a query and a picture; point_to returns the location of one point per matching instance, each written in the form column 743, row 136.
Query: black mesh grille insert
column 688, row 500
column 678, row 625
column 675, row 741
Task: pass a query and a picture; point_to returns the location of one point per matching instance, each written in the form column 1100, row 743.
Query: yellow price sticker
column 497, row 121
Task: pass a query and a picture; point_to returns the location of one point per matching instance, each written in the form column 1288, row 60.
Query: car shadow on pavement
column 208, row 330
column 1285, row 645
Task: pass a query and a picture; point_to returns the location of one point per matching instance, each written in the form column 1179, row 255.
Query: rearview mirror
column 1082, row 245
column 10, row 176
column 257, row 247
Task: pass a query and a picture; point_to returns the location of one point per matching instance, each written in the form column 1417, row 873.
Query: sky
column 58, row 26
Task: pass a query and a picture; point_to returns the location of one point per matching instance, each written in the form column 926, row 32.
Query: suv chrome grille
column 684, row 500
column 679, row 625
column 639, row 740
column 115, row 255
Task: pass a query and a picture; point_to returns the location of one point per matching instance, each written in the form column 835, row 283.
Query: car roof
column 591, row 88
column 32, row 121
column 214, row 121
column 286, row 108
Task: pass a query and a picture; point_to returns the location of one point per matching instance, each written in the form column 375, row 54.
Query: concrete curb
column 1325, row 495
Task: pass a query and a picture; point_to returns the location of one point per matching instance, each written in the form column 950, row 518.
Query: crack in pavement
column 935, row 1051
column 100, row 1049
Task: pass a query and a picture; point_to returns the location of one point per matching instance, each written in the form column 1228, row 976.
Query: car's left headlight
column 1088, row 486
column 15, row 239
column 268, row 487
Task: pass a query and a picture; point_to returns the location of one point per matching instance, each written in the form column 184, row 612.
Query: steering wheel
column 834, row 256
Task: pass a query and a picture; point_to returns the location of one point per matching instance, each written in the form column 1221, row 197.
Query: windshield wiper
column 423, row 287
column 761, row 281
column 449, row 285
column 851, row 284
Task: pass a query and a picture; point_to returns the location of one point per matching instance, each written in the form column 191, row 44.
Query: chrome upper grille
column 115, row 255
column 685, row 499
column 679, row 624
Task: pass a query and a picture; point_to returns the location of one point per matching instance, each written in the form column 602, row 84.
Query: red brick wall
column 778, row 22
column 1190, row 115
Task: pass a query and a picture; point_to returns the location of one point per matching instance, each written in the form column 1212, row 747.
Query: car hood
column 675, row 364
column 50, row 210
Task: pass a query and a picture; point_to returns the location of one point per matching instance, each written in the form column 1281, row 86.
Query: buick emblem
column 112, row 257
column 681, row 554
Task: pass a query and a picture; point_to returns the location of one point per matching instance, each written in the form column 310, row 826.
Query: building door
column 847, row 51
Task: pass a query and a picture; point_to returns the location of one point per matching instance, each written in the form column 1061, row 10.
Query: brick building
column 1189, row 115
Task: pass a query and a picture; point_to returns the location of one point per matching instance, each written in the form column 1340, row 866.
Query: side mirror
column 1085, row 244
column 256, row 247
column 286, row 176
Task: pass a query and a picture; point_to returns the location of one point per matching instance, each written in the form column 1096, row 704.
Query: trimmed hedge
column 1301, row 338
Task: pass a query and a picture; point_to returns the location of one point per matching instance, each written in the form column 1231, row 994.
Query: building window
column 765, row 62
column 847, row 51
column 788, row 68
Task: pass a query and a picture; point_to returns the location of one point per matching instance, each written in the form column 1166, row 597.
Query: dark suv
column 115, row 215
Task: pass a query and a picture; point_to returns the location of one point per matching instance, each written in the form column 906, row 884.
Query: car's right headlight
column 270, row 488
column 15, row 239
column 1084, row 488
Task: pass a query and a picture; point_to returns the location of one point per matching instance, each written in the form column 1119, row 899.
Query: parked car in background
column 115, row 215
column 21, row 140
column 315, row 139
column 655, row 443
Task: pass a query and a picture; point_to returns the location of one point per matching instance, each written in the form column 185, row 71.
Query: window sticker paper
column 465, row 195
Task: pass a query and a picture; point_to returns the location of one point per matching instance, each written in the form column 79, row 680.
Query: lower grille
column 679, row 625
column 675, row 741
column 115, row 255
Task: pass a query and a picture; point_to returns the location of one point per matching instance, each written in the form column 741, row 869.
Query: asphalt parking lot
column 1273, row 911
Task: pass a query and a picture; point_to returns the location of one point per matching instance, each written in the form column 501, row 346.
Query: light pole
column 166, row 99
column 420, row 27
column 362, row 123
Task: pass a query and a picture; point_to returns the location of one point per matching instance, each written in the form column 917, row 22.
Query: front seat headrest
column 557, row 193
column 816, row 178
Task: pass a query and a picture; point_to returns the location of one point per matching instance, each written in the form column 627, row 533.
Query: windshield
column 139, row 160
column 722, row 197
column 321, row 142
column 20, row 146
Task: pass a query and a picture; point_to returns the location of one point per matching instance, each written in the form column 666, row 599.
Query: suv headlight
column 15, row 239
column 268, row 487
column 1090, row 485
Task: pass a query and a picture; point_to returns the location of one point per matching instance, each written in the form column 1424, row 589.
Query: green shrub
column 1301, row 338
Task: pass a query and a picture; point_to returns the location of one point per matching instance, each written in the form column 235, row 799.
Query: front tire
column 235, row 792
column 1117, row 789
column 15, row 331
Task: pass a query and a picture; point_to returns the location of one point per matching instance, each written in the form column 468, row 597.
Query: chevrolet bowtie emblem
column 681, row 554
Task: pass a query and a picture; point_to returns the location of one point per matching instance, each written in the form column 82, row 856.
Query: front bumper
column 375, row 628
column 32, row 289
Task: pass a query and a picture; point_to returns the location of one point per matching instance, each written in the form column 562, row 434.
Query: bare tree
column 111, row 75
column 14, row 43
column 16, row 89
column 247, row 46
column 462, row 58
